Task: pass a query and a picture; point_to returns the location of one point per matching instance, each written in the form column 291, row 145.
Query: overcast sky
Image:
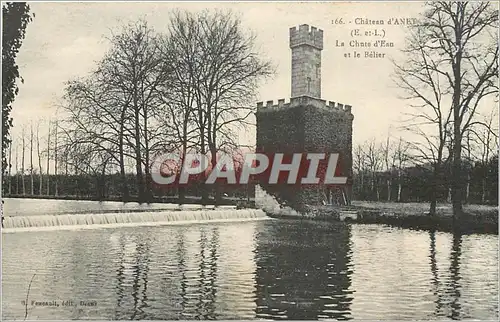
column 66, row 39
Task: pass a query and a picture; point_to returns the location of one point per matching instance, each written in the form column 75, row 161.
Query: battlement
column 306, row 35
column 303, row 101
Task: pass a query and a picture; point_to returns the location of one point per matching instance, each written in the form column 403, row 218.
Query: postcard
column 250, row 160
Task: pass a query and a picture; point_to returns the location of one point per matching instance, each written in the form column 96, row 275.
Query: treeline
column 190, row 88
column 109, row 187
column 391, row 172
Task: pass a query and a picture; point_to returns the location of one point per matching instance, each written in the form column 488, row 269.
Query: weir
column 103, row 220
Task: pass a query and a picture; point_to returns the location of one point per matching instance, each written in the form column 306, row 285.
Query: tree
column 23, row 154
column 179, row 95
column 225, row 70
column 389, row 163
column 447, row 63
column 56, row 131
column 97, row 116
column 39, row 154
column 485, row 145
column 117, row 109
column 16, row 17
column 92, row 162
column 360, row 166
column 48, row 158
column 453, row 62
column 429, row 120
column 401, row 158
column 17, row 169
column 136, row 67
column 31, row 161
column 374, row 160
column 10, row 168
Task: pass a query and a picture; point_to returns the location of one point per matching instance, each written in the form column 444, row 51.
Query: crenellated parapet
column 270, row 106
column 306, row 35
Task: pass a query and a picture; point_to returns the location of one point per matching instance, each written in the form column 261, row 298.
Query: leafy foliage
column 16, row 16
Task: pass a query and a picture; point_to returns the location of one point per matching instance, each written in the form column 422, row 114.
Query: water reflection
column 132, row 277
column 435, row 274
column 188, row 283
column 448, row 299
column 270, row 270
column 454, row 284
column 303, row 272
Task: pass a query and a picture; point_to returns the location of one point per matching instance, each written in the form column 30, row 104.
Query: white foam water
column 270, row 205
column 175, row 215
column 104, row 220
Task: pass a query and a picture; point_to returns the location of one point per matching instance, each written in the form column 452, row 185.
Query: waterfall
column 170, row 215
column 126, row 219
column 268, row 203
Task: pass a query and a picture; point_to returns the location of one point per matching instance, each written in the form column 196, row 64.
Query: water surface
column 270, row 269
column 36, row 207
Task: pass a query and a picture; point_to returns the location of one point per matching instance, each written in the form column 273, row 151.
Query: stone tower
column 307, row 123
column 306, row 45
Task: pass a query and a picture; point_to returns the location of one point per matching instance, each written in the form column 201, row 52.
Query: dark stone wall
column 281, row 131
column 330, row 131
column 305, row 129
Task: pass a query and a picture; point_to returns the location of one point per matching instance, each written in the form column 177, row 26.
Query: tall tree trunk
column 362, row 185
column 101, row 179
column 389, row 188
column 39, row 153
column 181, row 189
column 433, row 202
column 217, row 187
column 123, row 176
column 22, row 165
column 55, row 160
column 483, row 190
column 10, row 168
column 456, row 174
column 138, row 158
column 147, row 174
column 48, row 162
column 456, row 187
column 31, row 161
column 17, row 170
column 399, row 185
column 435, row 184
column 372, row 187
column 467, row 191
column 204, row 191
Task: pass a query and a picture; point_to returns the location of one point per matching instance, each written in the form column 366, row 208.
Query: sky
column 65, row 40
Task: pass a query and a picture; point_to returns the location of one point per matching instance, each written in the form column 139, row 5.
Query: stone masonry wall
column 306, row 44
column 281, row 131
column 306, row 71
column 305, row 128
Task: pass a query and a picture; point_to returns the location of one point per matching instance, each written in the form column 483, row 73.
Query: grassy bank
column 477, row 218
column 415, row 208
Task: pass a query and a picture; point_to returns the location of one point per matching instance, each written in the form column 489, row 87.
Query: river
column 272, row 269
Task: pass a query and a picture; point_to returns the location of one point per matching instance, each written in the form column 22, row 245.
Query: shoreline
column 471, row 223
column 226, row 201
column 480, row 219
